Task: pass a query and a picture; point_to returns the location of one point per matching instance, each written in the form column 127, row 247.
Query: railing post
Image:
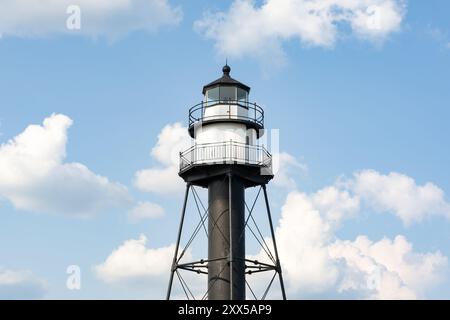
column 203, row 109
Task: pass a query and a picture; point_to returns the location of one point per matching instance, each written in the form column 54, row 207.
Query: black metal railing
column 225, row 152
column 227, row 110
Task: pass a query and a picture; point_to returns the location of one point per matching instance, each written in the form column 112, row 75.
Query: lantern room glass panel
column 242, row 95
column 227, row 93
column 213, row 94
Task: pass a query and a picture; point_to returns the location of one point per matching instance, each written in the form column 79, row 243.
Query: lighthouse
column 226, row 159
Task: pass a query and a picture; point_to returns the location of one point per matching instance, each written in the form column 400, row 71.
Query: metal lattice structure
column 201, row 266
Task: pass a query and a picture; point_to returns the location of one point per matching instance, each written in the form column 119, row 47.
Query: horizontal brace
column 258, row 271
column 202, row 261
column 193, row 270
column 193, row 266
column 261, row 267
column 256, row 262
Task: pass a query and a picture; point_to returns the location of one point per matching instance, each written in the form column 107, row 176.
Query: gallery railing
column 225, row 152
column 227, row 110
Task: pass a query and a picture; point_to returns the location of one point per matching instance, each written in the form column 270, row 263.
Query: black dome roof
column 226, row 80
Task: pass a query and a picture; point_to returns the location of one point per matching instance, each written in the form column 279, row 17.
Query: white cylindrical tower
column 225, row 125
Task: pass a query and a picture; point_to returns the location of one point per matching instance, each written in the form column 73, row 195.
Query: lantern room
column 226, row 89
column 226, row 104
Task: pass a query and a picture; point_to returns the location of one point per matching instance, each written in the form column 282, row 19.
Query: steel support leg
column 180, row 229
column 280, row 275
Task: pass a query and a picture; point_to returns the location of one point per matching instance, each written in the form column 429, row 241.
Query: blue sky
column 353, row 108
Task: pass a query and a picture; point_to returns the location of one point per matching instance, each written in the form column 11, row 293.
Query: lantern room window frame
column 240, row 96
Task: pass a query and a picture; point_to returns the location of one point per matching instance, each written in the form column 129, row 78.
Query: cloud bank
column 387, row 269
column 316, row 261
column 252, row 29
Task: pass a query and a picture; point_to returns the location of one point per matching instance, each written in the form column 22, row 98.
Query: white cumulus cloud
column 134, row 261
column 30, row 18
column 305, row 230
column 135, row 264
column 163, row 178
column 388, row 269
column 250, row 28
column 399, row 194
column 34, row 176
column 145, row 210
column 315, row 261
column 19, row 284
